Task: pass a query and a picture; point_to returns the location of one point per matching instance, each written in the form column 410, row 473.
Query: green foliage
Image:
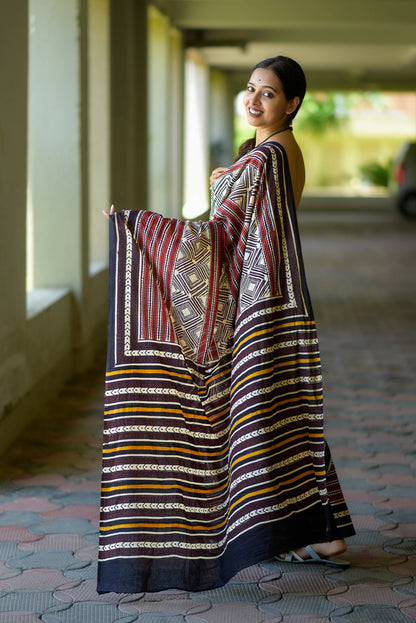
column 375, row 173
column 323, row 111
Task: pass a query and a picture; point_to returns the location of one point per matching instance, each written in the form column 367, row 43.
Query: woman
column 214, row 457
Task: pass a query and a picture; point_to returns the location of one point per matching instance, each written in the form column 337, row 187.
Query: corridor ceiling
column 341, row 44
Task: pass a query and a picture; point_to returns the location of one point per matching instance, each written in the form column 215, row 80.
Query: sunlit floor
column 361, row 268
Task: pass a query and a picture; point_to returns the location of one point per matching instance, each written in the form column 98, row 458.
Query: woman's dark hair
column 293, row 81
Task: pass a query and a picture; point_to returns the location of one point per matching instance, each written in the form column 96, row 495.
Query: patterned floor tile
column 79, row 498
column 358, row 495
column 398, row 503
column 409, row 611
column 27, row 601
column 405, row 530
column 167, row 604
column 300, row 582
column 407, row 547
column 388, row 458
column 37, row 579
column 357, row 474
column 361, row 508
column 161, row 618
column 232, row 613
column 47, row 559
column 367, row 523
column 19, row 518
column 372, row 614
column 63, row 525
column 301, row 604
column 304, row 618
column 408, row 567
column 366, row 575
column 85, row 485
column 89, row 512
column 88, row 613
column 369, row 555
column 18, row 534
column 6, row 573
column 71, row 542
column 87, row 591
column 389, row 470
column 18, row 617
column 399, row 515
column 11, row 550
column 29, row 504
column 231, row 593
column 88, row 553
column 255, row 573
column 372, row 538
column 82, row 573
column 364, row 594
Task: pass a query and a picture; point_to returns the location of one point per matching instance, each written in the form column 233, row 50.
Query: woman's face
column 265, row 103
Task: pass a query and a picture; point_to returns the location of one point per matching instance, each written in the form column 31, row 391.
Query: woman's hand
column 108, row 214
column 216, row 173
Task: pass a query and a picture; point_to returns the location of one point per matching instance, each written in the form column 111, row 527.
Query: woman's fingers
column 108, row 214
column 216, row 173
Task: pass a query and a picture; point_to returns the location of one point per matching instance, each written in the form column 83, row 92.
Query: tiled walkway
column 362, row 276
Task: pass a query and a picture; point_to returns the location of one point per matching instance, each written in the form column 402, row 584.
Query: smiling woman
column 273, row 96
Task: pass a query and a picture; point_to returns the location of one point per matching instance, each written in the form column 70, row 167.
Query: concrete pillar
column 176, row 113
column 129, row 162
column 13, row 179
column 98, row 82
column 221, row 120
column 159, row 111
column 165, row 83
column 196, row 136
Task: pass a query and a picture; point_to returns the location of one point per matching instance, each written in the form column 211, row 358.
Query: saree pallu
column 214, row 456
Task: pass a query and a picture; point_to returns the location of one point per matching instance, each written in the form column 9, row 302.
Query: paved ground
column 362, row 276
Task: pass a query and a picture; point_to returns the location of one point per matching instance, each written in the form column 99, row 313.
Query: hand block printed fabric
column 214, row 455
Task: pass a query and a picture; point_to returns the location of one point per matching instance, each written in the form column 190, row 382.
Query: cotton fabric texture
column 214, row 456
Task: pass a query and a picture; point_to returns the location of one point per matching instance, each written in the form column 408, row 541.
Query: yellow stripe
column 274, row 406
column 281, row 326
column 158, row 487
column 189, row 416
column 272, row 368
column 149, row 371
column 165, row 448
column 214, row 378
column 270, row 448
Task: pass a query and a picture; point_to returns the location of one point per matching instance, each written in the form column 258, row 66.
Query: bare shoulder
column 296, row 166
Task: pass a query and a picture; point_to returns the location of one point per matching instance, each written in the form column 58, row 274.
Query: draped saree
column 213, row 456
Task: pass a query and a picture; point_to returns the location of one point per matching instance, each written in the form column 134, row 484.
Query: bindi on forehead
column 265, row 77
